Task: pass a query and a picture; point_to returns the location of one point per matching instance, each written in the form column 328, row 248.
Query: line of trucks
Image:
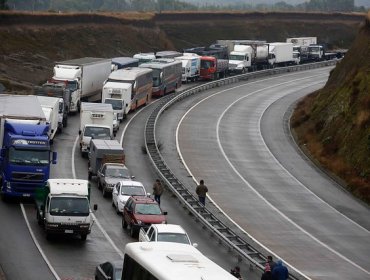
column 29, row 123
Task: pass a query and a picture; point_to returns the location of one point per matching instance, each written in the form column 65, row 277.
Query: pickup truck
column 164, row 233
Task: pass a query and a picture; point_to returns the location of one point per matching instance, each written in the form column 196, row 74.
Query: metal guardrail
column 227, row 236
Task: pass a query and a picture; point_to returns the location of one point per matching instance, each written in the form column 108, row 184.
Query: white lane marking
column 188, row 170
column 38, row 244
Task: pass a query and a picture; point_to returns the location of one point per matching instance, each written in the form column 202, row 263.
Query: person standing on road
column 280, row 272
column 271, row 262
column 267, row 274
column 201, row 191
column 157, row 191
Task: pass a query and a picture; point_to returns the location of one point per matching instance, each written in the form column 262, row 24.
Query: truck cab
column 240, row 59
column 63, row 207
column 118, row 94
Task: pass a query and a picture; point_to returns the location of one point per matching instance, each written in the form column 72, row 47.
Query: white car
column 123, row 190
column 165, row 233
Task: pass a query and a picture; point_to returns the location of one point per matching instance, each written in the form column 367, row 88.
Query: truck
column 25, row 154
column 124, row 62
column 84, row 77
column 101, row 152
column 247, row 55
column 302, row 41
column 167, row 54
column 96, row 122
column 57, row 90
column 145, row 57
column 190, row 66
column 50, row 107
column 63, row 207
column 212, row 68
column 217, row 50
column 281, row 54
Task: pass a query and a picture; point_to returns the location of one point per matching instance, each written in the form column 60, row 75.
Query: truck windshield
column 69, row 206
column 28, row 157
column 156, row 77
column 236, row 57
column 116, row 103
column 97, row 132
column 72, row 85
column 204, row 64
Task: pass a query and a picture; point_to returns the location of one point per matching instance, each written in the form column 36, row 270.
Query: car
column 123, row 190
column 110, row 174
column 141, row 212
column 111, row 270
column 165, row 233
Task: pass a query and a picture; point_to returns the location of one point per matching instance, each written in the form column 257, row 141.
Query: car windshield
column 116, row 103
column 97, row 132
column 117, row 172
column 132, row 190
column 173, row 237
column 28, row 157
column 148, row 209
column 69, row 206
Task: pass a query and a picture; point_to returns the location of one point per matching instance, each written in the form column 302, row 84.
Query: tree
column 3, row 5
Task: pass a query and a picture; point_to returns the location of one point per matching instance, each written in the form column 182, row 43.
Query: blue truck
column 25, row 154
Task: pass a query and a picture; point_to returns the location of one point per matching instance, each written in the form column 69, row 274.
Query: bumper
column 19, row 189
column 68, row 229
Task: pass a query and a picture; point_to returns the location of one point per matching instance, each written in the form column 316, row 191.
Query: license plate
column 68, row 231
column 26, row 195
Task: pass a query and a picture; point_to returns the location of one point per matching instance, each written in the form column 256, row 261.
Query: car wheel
column 124, row 224
column 117, row 211
column 105, row 193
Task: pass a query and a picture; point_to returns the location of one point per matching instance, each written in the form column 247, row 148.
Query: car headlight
column 123, row 201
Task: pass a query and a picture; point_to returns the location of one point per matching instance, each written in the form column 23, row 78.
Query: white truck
column 190, row 66
column 144, row 57
column 118, row 92
column 63, row 207
column 96, row 122
column 50, row 106
column 248, row 57
column 281, row 54
column 84, row 77
column 302, row 41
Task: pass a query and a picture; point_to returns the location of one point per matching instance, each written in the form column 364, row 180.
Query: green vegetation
column 334, row 122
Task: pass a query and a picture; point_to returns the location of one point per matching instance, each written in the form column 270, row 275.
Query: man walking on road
column 280, row 272
column 157, row 191
column 201, row 191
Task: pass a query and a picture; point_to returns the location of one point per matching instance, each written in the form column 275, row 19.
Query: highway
column 237, row 139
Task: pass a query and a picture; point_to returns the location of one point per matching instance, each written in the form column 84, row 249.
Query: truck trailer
column 84, row 77
column 190, row 66
column 96, row 122
column 63, row 207
column 281, row 54
column 50, row 107
column 25, row 154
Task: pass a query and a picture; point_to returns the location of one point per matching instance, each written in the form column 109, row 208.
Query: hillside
column 30, row 43
column 334, row 122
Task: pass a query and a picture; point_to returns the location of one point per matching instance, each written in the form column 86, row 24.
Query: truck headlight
column 53, row 225
column 84, row 226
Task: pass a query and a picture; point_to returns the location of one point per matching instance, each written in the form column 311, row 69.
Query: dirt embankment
column 30, row 43
column 334, row 122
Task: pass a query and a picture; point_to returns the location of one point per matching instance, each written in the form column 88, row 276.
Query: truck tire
column 89, row 175
column 39, row 221
column 83, row 236
column 124, row 224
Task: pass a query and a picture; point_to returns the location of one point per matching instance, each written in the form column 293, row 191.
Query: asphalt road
column 238, row 141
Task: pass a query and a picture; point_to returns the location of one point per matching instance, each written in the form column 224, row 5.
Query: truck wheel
column 124, row 224
column 83, row 236
column 89, row 175
column 244, row 71
column 39, row 221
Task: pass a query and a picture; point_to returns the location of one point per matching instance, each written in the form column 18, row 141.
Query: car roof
column 143, row 199
column 169, row 228
column 129, row 183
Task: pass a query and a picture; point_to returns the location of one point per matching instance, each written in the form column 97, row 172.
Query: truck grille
column 26, row 176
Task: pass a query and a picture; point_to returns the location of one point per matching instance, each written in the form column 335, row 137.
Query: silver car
column 110, row 174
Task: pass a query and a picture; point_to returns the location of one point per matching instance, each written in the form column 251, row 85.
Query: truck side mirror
column 95, row 207
column 54, row 159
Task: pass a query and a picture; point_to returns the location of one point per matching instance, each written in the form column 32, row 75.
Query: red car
column 141, row 212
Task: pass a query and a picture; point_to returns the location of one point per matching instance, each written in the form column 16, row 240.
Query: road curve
column 237, row 141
